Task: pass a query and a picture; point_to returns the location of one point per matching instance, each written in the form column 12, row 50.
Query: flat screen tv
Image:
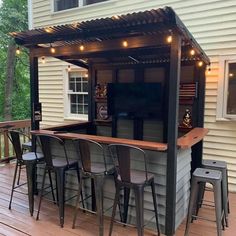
column 135, row 100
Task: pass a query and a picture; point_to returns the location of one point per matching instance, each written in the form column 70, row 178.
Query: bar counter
column 184, row 142
column 157, row 165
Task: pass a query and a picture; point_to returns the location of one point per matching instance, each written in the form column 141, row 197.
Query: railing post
column 6, row 150
column 6, row 144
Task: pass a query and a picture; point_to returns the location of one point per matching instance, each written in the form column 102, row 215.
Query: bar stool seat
column 214, row 177
column 32, row 156
column 138, row 177
column 99, row 168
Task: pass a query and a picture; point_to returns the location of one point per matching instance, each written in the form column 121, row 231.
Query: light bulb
column 192, row 52
column 18, row 51
column 53, row 50
column 81, row 48
column 169, row 39
column 200, row 63
column 125, row 44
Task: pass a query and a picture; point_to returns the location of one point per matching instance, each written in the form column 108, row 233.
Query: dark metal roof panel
column 120, row 22
column 151, row 22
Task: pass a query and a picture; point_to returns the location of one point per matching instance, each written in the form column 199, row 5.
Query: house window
column 78, row 95
column 60, row 5
column 226, row 107
column 230, row 86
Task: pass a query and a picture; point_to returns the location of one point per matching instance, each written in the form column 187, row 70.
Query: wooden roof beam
column 103, row 47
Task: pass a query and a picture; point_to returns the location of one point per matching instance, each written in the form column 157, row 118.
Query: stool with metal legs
column 28, row 159
column 221, row 166
column 132, row 179
column 59, row 164
column 93, row 165
column 214, row 177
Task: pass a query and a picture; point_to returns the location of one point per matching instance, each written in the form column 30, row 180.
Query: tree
column 14, row 70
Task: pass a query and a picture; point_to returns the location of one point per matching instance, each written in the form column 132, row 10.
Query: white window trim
column 67, row 114
column 81, row 6
column 221, row 114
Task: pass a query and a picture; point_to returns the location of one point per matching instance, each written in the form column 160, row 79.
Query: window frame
column 222, row 91
column 67, row 102
column 80, row 5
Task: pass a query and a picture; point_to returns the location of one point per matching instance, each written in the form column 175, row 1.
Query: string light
column 69, row 68
column 192, row 52
column 169, row 39
column 209, row 71
column 43, row 60
column 48, row 30
column 125, row 44
column 231, row 74
column 115, row 17
column 52, row 49
column 200, row 63
column 86, row 75
column 75, row 24
column 81, row 47
column 18, row 51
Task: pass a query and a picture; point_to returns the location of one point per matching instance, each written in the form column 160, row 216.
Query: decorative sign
column 101, row 91
column 37, row 112
column 102, row 111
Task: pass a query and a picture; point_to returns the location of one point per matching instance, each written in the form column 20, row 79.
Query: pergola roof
column 152, row 25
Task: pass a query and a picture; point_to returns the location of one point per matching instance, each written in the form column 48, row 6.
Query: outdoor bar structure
column 151, row 53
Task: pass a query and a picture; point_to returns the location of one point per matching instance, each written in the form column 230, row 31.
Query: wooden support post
column 172, row 133
column 114, row 119
column 199, row 110
column 34, row 89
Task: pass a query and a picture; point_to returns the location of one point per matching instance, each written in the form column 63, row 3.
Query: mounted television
column 135, row 100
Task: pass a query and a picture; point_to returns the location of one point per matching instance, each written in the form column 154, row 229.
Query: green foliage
column 13, row 18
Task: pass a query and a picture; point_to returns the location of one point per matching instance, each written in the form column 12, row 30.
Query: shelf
column 186, row 101
column 103, row 122
column 184, row 129
column 100, row 99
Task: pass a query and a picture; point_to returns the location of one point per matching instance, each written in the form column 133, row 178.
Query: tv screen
column 135, row 100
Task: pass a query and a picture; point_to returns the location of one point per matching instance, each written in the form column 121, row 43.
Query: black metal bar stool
column 28, row 159
column 221, row 166
column 132, row 179
column 59, row 165
column 93, row 164
column 214, row 177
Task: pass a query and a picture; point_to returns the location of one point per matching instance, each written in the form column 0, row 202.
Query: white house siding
column 212, row 23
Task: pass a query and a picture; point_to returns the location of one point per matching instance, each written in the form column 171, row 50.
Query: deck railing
column 6, row 149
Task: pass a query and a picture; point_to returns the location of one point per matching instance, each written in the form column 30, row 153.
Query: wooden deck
column 18, row 222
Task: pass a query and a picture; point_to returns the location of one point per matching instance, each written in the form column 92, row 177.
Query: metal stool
column 221, row 166
column 93, row 165
column 136, row 180
column 214, row 177
column 58, row 165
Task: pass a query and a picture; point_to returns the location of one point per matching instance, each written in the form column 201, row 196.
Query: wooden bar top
column 184, row 142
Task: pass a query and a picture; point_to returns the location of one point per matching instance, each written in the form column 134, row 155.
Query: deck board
column 18, row 222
